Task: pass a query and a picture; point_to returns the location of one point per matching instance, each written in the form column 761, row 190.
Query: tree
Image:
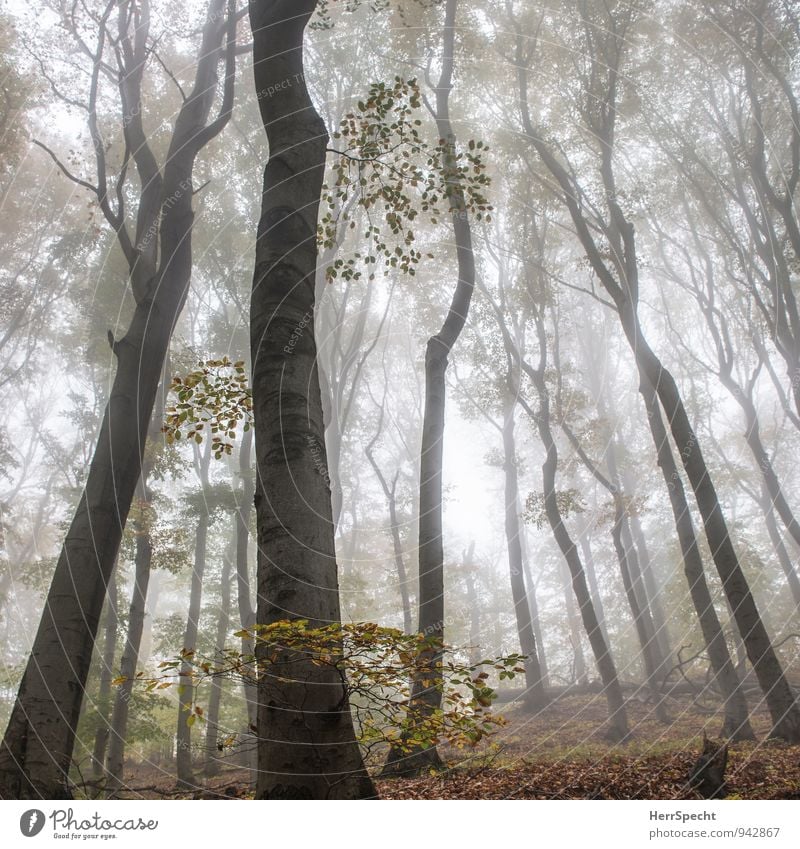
column 619, row 277
column 37, row 748
column 307, row 746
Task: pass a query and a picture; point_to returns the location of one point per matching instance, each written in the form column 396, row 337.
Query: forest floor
column 560, row 753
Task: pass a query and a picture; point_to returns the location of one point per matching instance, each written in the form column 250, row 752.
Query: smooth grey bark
column 426, row 691
column 36, row 752
column 307, row 747
column 106, row 676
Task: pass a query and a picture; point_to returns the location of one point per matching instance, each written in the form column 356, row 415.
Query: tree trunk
column 130, row 654
column 617, row 730
column 780, row 548
column 736, row 724
column 307, row 747
column 536, row 697
column 574, row 623
column 594, row 589
column 777, row 692
column 470, row 567
column 247, row 614
column 530, row 589
column 106, row 676
column 36, row 752
column 183, row 758
column 426, row 691
column 213, row 744
column 617, row 718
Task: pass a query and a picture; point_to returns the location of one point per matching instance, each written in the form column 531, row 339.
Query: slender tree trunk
column 213, row 744
column 574, row 624
column 307, row 747
column 530, row 590
column 130, row 653
column 650, row 583
column 470, row 568
column 780, row 548
column 778, row 693
column 535, row 696
column 426, row 691
column 36, row 751
column 106, row 676
column 617, row 718
column 617, row 729
column 594, row 589
column 183, row 758
column 736, row 724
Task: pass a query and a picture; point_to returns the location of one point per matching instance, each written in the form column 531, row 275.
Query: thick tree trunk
column 536, row 697
column 307, row 747
column 37, row 748
column 36, row 751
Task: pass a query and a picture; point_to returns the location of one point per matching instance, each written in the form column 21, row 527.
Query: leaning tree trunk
column 629, row 570
column 36, row 752
column 535, row 696
column 736, row 724
column 778, row 693
column 617, row 730
column 307, row 747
